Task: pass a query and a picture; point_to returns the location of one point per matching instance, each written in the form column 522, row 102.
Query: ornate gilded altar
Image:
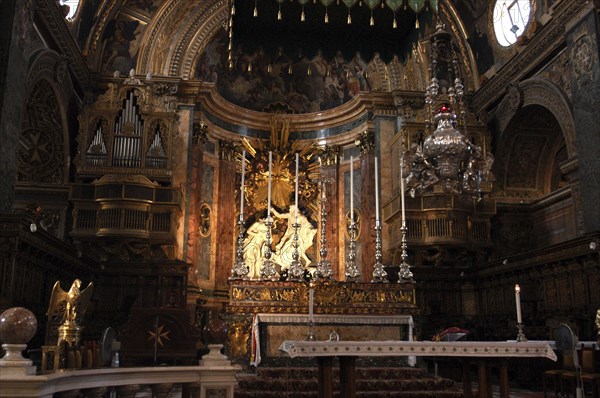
column 248, row 298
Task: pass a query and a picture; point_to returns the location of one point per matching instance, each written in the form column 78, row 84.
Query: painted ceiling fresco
column 296, row 66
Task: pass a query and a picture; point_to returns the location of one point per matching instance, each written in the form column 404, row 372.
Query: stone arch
column 173, row 42
column 539, row 91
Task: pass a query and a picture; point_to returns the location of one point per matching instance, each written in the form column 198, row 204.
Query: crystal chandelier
column 447, row 159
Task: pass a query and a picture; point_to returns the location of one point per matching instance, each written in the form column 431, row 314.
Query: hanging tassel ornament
column 255, row 13
column 349, row 18
column 269, row 68
column 372, row 20
column 417, row 23
column 290, row 69
column 395, row 23
column 302, row 16
column 279, row 13
column 309, row 71
column 233, row 9
column 383, row 4
column 326, row 16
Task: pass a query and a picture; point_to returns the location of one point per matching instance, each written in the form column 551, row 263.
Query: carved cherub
column 69, row 306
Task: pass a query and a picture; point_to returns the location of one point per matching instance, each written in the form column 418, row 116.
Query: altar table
column 348, row 351
column 331, row 322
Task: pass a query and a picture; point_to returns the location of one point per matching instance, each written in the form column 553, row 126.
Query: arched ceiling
column 528, row 157
column 188, row 39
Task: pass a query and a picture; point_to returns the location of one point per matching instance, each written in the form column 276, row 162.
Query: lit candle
column 402, row 191
column 311, row 302
column 242, row 187
column 269, row 187
column 296, row 199
column 351, row 188
column 376, row 192
column 518, row 302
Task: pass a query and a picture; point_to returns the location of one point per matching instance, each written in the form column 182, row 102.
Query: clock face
column 510, row 20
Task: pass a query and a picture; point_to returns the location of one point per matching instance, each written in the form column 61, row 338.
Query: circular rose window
column 510, row 20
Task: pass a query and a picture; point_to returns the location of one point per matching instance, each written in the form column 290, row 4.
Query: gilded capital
column 330, row 155
column 366, row 142
column 199, row 133
column 227, row 151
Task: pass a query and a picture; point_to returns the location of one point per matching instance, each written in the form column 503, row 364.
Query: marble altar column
column 366, row 142
column 330, row 158
column 226, row 219
column 195, row 198
column 582, row 49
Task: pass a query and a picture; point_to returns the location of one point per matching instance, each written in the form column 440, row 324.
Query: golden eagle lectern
column 68, row 308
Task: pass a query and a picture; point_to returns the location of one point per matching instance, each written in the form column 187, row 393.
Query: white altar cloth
column 323, row 319
column 418, row 348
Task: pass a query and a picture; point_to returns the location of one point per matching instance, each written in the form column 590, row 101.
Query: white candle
column 351, row 188
column 402, row 191
column 518, row 302
column 376, row 192
column 296, row 199
column 242, row 187
column 269, row 187
column 311, row 303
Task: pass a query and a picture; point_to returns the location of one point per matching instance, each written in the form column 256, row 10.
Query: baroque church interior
column 199, row 164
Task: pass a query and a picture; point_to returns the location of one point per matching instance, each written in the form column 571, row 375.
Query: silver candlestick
column 296, row 271
column 268, row 270
column 311, row 334
column 240, row 271
column 379, row 274
column 404, row 274
column 521, row 336
column 352, row 272
column 324, row 270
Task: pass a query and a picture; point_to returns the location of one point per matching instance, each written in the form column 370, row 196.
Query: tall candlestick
column 402, row 191
column 242, row 187
column 376, row 192
column 311, row 303
column 269, row 186
column 351, row 188
column 518, row 302
column 296, row 198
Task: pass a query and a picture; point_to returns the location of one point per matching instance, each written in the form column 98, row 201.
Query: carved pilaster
column 582, row 49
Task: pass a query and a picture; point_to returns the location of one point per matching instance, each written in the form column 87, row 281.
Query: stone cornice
column 549, row 39
column 225, row 111
column 48, row 12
